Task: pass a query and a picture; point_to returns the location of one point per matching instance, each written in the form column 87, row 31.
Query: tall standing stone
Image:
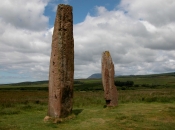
column 110, row 90
column 61, row 64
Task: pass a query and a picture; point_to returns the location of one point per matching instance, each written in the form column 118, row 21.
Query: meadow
column 149, row 104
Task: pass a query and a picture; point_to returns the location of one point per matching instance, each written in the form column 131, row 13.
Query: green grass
column 138, row 109
column 148, row 106
column 159, row 80
column 140, row 82
column 125, row 116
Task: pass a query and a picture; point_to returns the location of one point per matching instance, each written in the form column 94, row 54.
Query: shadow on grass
column 77, row 111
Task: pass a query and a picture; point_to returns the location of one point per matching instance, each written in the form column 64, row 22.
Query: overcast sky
column 140, row 35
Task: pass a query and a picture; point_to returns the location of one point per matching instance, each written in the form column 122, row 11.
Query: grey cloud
column 159, row 12
column 24, row 14
column 24, row 47
column 162, row 39
column 136, row 46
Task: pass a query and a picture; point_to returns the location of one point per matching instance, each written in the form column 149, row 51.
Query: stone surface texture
column 61, row 69
column 110, row 90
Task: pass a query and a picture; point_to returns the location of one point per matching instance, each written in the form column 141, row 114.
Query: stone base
column 51, row 119
column 57, row 120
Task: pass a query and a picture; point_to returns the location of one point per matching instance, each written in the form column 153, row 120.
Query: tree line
column 124, row 83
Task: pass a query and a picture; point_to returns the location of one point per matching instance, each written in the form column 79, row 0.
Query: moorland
column 145, row 102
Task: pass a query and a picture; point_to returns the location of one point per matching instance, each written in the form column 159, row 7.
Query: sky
column 138, row 33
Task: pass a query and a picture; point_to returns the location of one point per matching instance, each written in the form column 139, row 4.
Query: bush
column 136, row 85
column 78, row 82
column 124, row 83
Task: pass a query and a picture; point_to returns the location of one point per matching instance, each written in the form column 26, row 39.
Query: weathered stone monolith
column 110, row 90
column 61, row 64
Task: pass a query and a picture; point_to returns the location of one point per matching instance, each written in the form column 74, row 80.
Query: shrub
column 124, row 83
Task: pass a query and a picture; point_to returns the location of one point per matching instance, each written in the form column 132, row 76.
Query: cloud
column 140, row 41
column 157, row 12
column 100, row 10
column 25, row 40
column 66, row 1
column 24, row 14
column 138, row 36
column 54, row 4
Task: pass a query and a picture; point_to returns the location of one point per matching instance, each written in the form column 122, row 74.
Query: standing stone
column 61, row 64
column 110, row 90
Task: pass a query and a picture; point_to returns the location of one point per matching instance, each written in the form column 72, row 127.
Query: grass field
column 139, row 108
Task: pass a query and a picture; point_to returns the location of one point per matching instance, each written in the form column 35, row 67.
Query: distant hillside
column 98, row 75
column 95, row 76
column 150, row 75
